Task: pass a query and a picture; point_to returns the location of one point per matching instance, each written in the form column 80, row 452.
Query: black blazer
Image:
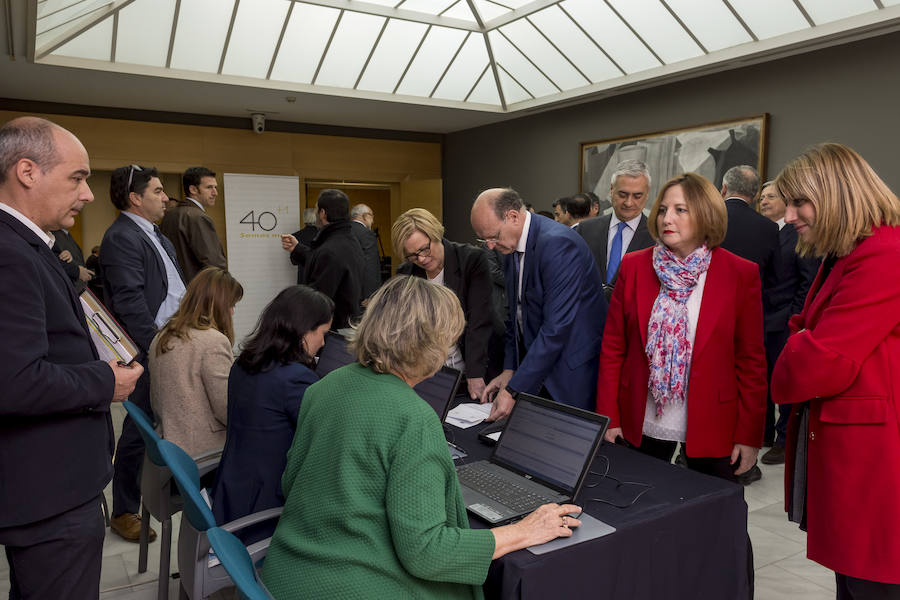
column 754, row 237
column 64, row 241
column 370, row 276
column 333, row 265
column 468, row 273
column 793, row 277
column 595, row 232
column 134, row 278
column 56, row 435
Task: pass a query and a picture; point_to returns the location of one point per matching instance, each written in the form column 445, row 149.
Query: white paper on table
column 469, row 414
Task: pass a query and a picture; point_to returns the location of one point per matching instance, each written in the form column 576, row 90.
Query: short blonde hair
column 705, row 205
column 849, row 197
column 408, row 328
column 415, row 219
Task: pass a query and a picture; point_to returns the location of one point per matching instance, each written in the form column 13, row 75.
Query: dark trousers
column 776, row 430
column 130, row 455
column 716, row 466
column 853, row 588
column 57, row 558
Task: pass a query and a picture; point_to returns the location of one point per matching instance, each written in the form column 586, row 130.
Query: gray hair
column 742, row 180
column 630, row 168
column 31, row 138
column 309, row 216
column 359, row 210
column 509, row 199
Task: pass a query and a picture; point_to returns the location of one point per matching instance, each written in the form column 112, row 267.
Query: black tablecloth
column 686, row 538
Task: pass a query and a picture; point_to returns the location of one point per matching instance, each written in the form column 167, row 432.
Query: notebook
column 543, row 456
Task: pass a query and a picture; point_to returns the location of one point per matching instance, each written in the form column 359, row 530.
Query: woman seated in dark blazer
column 374, row 508
column 265, row 389
column 417, row 236
column 683, row 357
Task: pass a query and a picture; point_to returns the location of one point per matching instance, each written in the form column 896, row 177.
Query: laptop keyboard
column 500, row 489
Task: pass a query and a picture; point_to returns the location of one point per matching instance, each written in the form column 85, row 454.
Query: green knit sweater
column 373, row 503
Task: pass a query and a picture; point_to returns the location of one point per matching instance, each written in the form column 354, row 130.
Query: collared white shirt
column 520, row 248
column 200, row 206
column 361, row 223
column 454, row 357
column 627, row 233
column 175, row 289
column 43, row 235
column 780, row 223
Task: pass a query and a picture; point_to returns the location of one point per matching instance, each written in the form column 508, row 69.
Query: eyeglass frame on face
column 130, row 175
column 494, row 238
column 423, row 251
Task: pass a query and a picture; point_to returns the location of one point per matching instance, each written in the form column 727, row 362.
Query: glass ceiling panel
column 890, row 2
column 575, row 44
column 611, row 33
column 529, row 40
column 390, row 3
column 711, row 22
column 94, row 44
column 512, row 91
column 438, row 48
column 396, row 47
column 144, row 30
column 429, row 7
column 68, row 18
column 254, row 37
column 464, row 71
column 460, row 10
column 658, row 28
column 769, row 18
column 304, row 41
column 486, row 90
column 518, row 67
column 350, row 47
column 826, row 11
column 488, row 10
column 200, row 48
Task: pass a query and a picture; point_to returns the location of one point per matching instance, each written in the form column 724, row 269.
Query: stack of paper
column 469, row 414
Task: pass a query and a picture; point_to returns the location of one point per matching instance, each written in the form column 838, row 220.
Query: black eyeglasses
column 423, row 251
column 130, row 175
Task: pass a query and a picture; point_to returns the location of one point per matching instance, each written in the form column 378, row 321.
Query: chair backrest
column 237, row 562
column 145, row 427
column 187, row 477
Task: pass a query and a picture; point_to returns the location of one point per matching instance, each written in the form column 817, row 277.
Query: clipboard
column 110, row 340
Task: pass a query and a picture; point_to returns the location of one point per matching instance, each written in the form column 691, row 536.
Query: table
column 686, row 538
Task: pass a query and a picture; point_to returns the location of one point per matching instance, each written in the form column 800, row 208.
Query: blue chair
column 159, row 496
column 233, row 554
column 202, row 574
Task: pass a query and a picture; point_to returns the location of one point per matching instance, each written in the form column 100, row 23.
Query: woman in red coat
column 683, row 357
column 841, row 368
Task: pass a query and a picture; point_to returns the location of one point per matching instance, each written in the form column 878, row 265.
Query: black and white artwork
column 709, row 150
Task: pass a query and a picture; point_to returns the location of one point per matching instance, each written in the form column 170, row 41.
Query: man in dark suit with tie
column 556, row 306
column 143, row 286
column 611, row 236
column 362, row 220
column 56, row 435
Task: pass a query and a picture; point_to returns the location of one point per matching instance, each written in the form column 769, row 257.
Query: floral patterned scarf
column 668, row 347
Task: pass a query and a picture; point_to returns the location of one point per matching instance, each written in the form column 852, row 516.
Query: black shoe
column 754, row 474
column 775, row 456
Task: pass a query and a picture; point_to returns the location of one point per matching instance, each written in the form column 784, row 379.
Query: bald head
column 498, row 216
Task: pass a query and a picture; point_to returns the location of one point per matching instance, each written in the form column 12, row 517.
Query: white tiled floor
column 782, row 570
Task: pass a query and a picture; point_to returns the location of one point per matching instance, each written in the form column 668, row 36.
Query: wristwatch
column 512, row 392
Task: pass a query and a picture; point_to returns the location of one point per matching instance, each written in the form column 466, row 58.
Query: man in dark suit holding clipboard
column 56, row 435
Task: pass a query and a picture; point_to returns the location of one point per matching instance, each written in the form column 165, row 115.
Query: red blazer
column 727, row 384
column 844, row 359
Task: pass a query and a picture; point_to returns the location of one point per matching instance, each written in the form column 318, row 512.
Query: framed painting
column 709, row 150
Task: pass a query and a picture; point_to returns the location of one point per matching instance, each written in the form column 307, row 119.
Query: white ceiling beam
column 741, row 20
column 284, row 26
column 524, row 11
column 172, row 33
column 97, row 15
column 805, row 14
column 490, row 52
column 234, row 12
column 395, row 13
column 684, row 26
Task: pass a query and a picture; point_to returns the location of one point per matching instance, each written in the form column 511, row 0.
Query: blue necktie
column 615, row 254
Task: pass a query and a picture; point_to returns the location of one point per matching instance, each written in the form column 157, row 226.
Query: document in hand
column 110, row 340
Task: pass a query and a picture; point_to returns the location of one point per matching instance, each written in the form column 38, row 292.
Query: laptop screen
column 552, row 442
column 439, row 390
column 333, row 355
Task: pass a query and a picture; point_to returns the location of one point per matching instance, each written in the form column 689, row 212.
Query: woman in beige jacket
column 190, row 359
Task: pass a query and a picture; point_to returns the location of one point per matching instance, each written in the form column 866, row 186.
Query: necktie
column 615, row 254
column 166, row 244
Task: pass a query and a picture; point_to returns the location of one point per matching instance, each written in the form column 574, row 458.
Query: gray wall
column 848, row 94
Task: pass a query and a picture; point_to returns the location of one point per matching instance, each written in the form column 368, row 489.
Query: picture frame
column 709, row 150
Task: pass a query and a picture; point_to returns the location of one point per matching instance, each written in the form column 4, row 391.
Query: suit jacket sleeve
column 324, row 273
column 864, row 310
column 204, row 241
column 806, row 273
column 33, row 385
column 479, row 311
column 123, row 270
column 299, row 254
column 214, row 370
column 750, row 362
column 561, row 269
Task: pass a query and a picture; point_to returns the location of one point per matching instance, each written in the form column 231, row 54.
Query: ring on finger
column 565, row 521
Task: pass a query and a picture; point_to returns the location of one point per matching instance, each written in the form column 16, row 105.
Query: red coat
column 727, row 385
column 844, row 358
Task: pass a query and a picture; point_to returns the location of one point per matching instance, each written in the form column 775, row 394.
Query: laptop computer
column 543, row 456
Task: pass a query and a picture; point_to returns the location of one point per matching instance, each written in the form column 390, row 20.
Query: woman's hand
column 611, row 434
column 747, row 456
column 546, row 523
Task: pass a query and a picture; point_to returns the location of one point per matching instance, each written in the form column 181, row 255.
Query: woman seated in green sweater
column 373, row 504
